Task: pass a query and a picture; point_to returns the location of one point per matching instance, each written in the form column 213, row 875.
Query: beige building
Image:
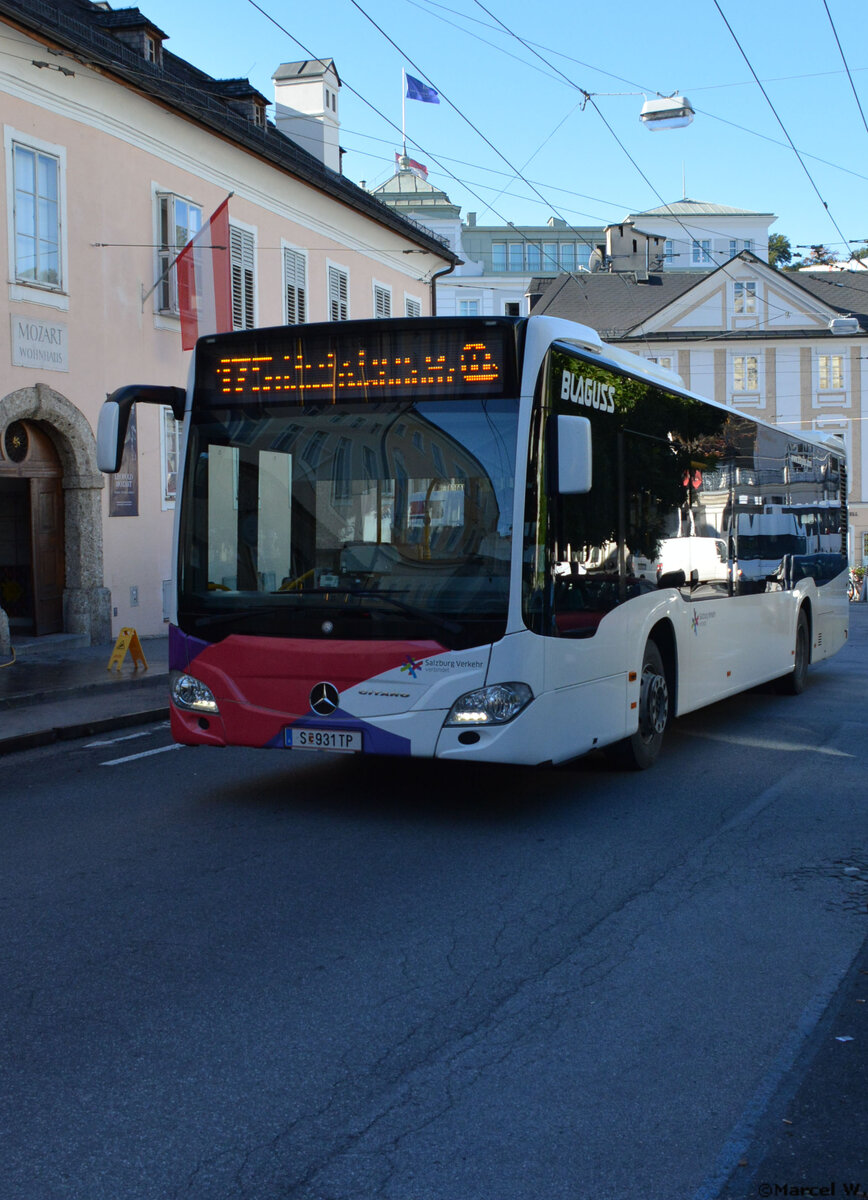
column 115, row 152
column 788, row 347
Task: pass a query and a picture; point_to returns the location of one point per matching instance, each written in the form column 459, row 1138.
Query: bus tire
column 642, row 749
column 793, row 684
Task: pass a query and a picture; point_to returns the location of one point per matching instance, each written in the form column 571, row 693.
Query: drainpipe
column 437, row 275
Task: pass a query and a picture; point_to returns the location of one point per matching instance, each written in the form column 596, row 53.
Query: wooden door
column 46, row 530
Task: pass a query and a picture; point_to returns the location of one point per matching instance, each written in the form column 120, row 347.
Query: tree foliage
column 780, row 250
column 817, row 256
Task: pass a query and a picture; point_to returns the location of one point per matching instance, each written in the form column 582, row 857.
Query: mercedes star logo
column 324, row 699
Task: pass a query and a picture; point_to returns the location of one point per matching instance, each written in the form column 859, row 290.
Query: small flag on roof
column 405, row 163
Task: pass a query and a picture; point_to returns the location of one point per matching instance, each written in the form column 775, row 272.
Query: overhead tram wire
column 518, row 232
column 721, row 264
column 727, row 334
column 589, row 99
column 528, row 161
column 846, row 66
column 594, row 218
column 644, row 89
column 422, row 150
column 780, row 122
column 467, row 121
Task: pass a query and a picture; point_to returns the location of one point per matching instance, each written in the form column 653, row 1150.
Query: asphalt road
column 231, row 975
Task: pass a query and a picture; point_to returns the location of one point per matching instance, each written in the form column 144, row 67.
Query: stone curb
column 63, row 733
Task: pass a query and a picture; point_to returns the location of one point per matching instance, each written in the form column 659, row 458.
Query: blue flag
column 417, row 90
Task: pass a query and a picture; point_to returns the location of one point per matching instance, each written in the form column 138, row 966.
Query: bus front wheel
column 642, row 749
column 793, row 684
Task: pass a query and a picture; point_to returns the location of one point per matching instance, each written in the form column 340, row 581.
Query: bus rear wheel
column 642, row 749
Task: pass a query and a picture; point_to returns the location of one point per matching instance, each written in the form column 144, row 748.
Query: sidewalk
column 56, row 689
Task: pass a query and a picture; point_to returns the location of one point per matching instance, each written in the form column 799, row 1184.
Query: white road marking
column 114, row 762
column 764, row 743
column 128, row 737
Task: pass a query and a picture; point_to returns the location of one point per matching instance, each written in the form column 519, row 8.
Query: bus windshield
column 358, row 520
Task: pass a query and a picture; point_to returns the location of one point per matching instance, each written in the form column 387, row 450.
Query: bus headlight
column 191, row 693
column 493, row 705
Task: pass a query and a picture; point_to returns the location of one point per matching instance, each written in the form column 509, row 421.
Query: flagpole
column 404, row 110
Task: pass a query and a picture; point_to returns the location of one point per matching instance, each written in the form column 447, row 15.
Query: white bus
column 420, row 537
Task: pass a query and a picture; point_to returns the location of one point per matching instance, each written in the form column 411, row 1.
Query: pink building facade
column 114, row 154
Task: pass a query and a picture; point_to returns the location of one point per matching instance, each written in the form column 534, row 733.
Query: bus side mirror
column 574, row 455
column 114, row 417
column 110, row 436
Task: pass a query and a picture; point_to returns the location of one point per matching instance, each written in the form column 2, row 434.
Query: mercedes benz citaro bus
column 421, row 537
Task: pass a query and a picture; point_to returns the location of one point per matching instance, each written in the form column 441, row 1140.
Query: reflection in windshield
column 323, row 510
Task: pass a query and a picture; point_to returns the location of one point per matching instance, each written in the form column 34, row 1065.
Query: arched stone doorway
column 50, row 492
column 32, row 568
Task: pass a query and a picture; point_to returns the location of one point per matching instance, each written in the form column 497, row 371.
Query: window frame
column 750, row 397
column 50, row 294
column 166, row 291
column 550, row 258
column 835, row 391
column 744, row 298
column 171, row 443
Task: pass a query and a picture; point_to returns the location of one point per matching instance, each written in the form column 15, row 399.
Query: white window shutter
column 382, row 301
column 243, row 260
column 295, row 287
column 339, row 306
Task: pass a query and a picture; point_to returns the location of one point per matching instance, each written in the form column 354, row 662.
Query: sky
column 539, row 103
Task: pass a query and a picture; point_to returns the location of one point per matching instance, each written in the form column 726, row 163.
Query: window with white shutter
column 382, row 301
column 294, row 287
column 412, row 307
column 242, row 252
column 339, row 294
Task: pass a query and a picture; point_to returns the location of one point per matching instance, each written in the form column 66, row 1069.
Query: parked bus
column 419, row 537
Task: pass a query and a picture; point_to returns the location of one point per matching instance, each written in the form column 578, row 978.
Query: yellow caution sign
column 128, row 641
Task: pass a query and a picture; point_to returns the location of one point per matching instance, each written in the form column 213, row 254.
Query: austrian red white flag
column 205, row 281
column 416, row 167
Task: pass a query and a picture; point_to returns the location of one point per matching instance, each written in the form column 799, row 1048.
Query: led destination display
column 366, row 362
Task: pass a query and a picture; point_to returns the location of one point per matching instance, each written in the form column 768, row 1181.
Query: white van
column 707, row 556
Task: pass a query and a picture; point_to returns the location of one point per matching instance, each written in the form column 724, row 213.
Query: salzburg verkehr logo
column 412, row 665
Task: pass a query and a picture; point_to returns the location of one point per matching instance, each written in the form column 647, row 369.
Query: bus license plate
column 342, row 740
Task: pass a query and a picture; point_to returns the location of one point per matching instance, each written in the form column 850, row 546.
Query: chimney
column 306, row 107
